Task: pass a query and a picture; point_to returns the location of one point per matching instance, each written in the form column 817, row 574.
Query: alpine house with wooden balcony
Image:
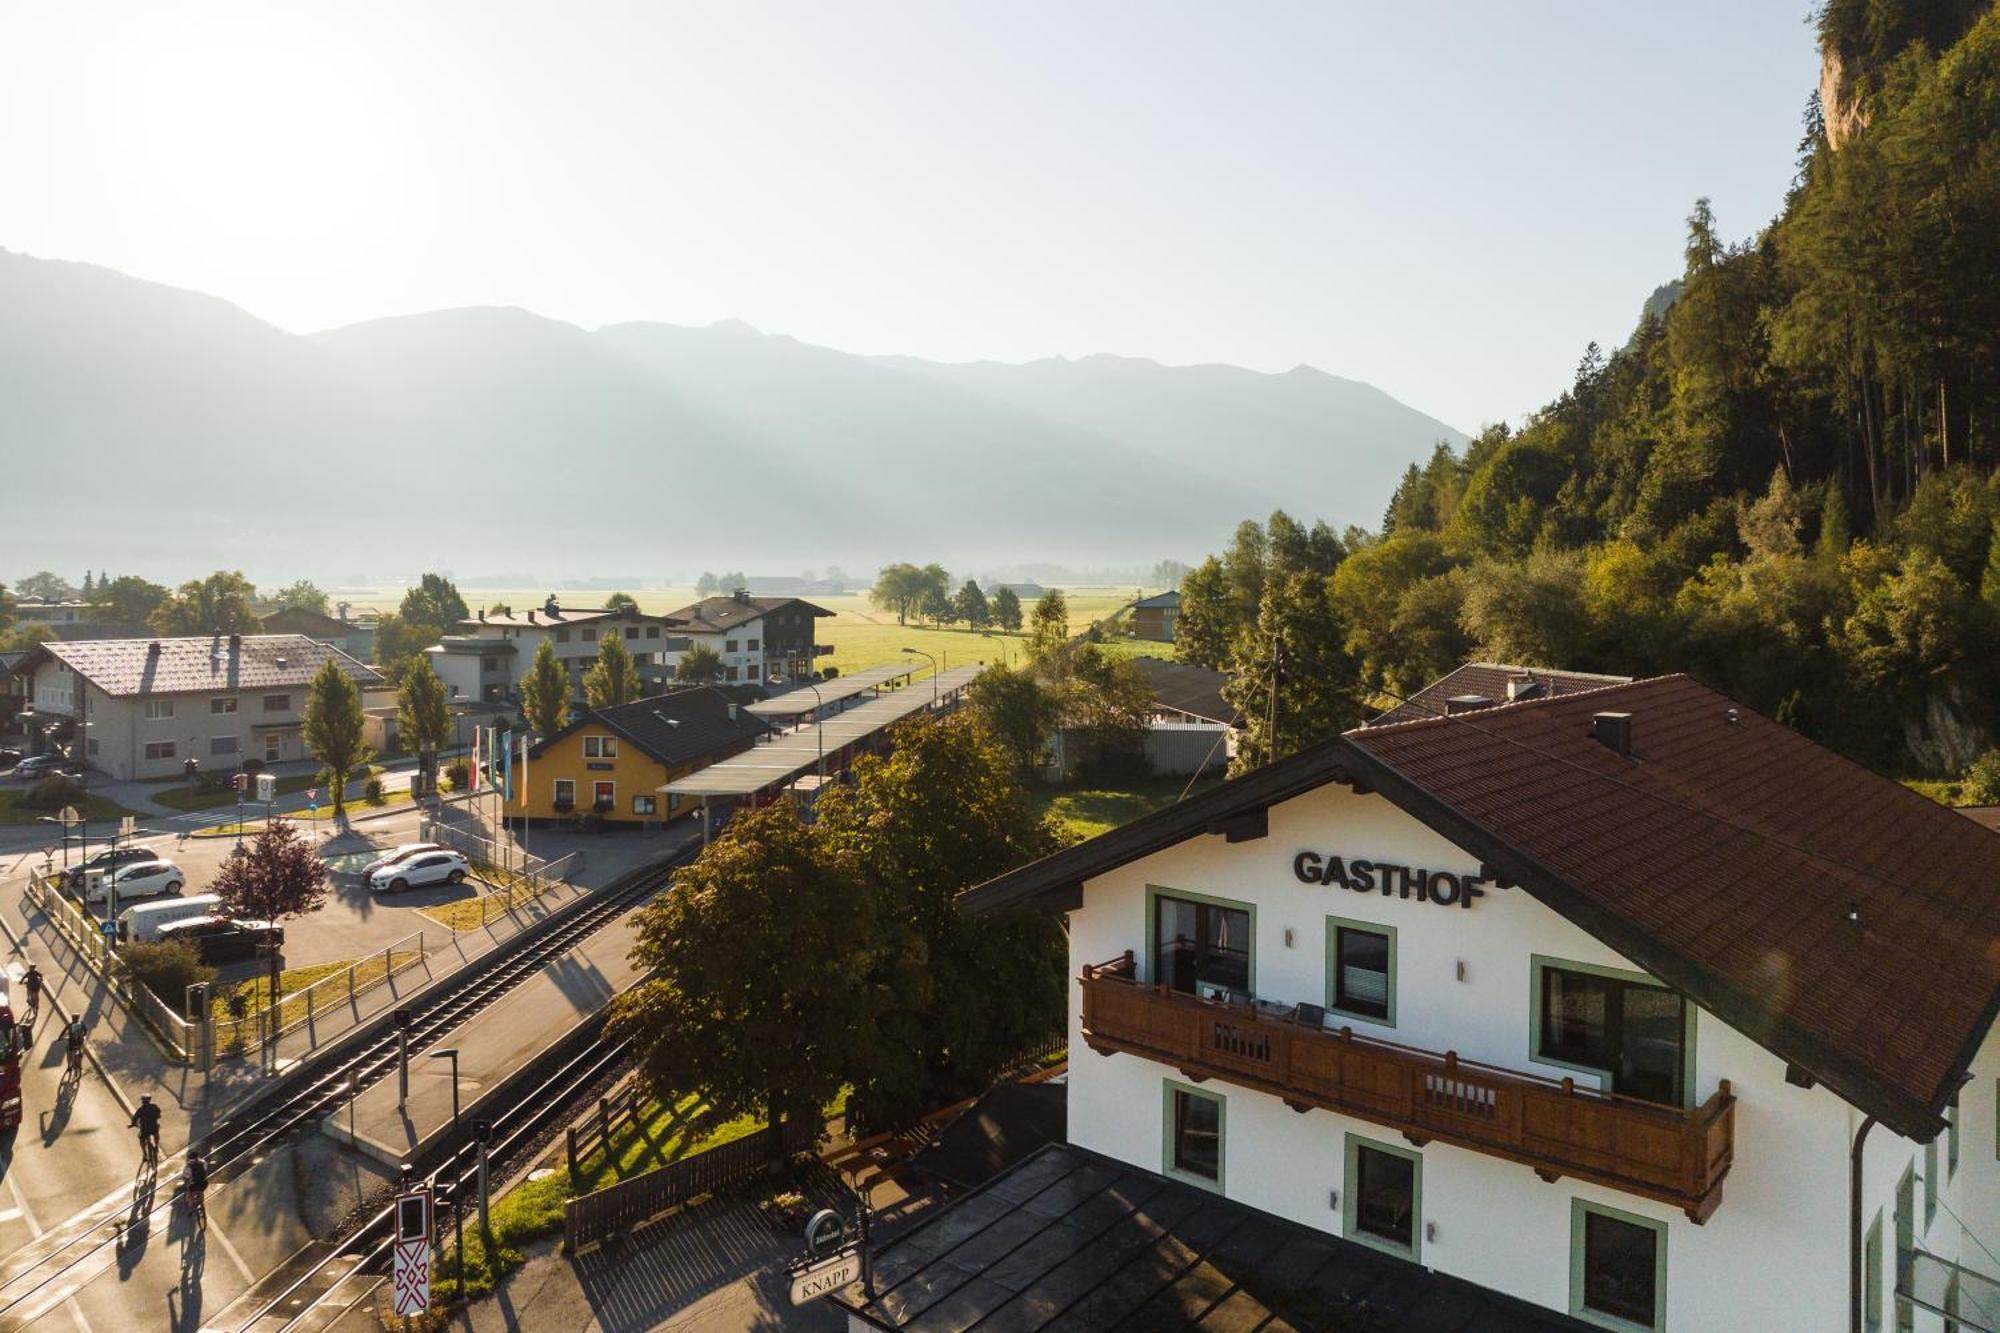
column 1627, row 1003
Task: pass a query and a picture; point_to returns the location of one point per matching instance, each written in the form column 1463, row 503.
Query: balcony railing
column 1659, row 1152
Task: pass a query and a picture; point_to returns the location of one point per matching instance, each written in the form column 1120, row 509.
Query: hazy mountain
column 170, row 432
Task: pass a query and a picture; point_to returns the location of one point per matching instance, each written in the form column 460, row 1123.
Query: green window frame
column 1871, row 1277
column 1906, row 1243
column 1336, row 924
column 1580, row 1212
column 1539, row 964
column 1350, row 1199
column 1155, row 892
column 1930, row 1184
column 1170, row 1093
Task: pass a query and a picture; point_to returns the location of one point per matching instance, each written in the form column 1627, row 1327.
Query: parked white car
column 418, row 871
column 143, row 879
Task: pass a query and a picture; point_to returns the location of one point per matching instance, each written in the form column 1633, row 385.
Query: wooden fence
column 620, row 1108
column 619, row 1209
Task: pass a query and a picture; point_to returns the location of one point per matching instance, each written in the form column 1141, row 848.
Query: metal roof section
column 792, row 703
column 797, row 752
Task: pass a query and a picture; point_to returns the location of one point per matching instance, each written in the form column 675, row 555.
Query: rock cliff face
column 1839, row 100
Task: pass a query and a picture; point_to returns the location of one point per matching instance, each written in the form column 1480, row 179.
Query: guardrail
column 302, row 1007
column 618, row 1209
column 177, row 1036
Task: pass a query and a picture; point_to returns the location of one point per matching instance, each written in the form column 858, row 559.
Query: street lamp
column 918, row 652
column 458, row 1211
column 819, row 719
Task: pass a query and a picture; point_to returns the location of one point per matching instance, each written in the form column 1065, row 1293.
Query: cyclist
column 194, row 1183
column 75, row 1034
column 31, row 982
column 147, row 1118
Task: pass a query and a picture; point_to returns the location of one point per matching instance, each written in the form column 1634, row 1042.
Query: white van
column 141, row 924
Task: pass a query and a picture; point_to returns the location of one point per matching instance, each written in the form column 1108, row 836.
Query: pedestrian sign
column 312, row 800
column 110, row 929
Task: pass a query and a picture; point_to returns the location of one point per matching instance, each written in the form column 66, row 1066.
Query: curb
column 89, row 1051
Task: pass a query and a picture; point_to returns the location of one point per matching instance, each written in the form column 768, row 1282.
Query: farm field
column 861, row 635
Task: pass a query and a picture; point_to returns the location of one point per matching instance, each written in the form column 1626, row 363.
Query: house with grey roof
column 756, row 637
column 146, row 706
column 487, row 654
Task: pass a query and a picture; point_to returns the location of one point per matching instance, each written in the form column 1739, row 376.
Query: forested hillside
column 1787, row 482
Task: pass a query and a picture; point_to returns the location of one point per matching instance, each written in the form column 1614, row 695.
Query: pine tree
column 971, row 607
column 1007, row 609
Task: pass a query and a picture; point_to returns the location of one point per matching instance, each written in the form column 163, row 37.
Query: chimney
column 1523, row 687
column 742, row 595
column 551, row 608
column 531, row 618
column 482, row 617
column 153, row 648
column 342, row 608
column 236, row 643
column 1465, row 703
column 1613, row 731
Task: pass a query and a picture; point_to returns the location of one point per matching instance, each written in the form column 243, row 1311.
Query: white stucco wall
column 1774, row 1255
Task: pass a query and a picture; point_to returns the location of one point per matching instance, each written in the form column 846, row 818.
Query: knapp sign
column 1391, row 881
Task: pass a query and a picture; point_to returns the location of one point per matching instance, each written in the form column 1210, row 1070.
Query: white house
column 756, row 637
column 146, row 706
column 1626, row 1003
column 489, row 654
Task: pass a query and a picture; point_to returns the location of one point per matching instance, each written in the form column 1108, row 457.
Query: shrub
column 457, row 775
column 167, row 968
column 1982, row 780
column 54, row 792
column 371, row 791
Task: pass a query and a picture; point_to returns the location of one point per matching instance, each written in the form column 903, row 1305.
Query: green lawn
column 509, row 890
column 14, row 809
column 1089, row 811
column 295, row 979
column 180, row 798
column 323, row 815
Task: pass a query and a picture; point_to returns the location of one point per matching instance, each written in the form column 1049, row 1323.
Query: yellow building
column 611, row 763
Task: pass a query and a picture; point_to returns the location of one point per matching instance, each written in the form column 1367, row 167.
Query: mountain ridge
column 717, row 442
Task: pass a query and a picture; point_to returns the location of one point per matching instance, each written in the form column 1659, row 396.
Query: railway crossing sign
column 413, row 1254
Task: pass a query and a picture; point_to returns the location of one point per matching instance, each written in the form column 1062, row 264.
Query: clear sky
column 1444, row 199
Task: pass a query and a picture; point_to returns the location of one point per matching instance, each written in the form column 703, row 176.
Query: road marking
column 27, row 1215
column 9, row 1214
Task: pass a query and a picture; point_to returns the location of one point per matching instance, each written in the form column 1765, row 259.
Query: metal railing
column 177, row 1036
column 302, row 1007
column 1673, row 1154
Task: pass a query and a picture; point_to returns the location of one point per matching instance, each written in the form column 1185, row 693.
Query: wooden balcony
column 1658, row 1152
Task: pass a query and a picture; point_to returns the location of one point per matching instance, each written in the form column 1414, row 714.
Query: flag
column 507, row 766
column 524, row 770
column 472, row 762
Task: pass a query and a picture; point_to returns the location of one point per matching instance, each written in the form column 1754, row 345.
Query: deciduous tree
column 699, row 665
column 1018, row 712
column 44, row 586
column 127, row 598
column 434, row 603
column 612, row 678
column 1007, row 609
column 279, row 877
column 301, row 596
column 762, row 953
column 423, row 716
column 545, row 692
column 1048, row 630
column 332, row 726
column 621, row 601
column 218, row 604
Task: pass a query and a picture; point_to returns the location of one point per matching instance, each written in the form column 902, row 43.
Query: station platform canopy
column 794, row 702
column 777, row 762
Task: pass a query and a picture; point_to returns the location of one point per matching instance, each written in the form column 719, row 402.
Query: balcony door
column 1200, row 946
column 1633, row 1030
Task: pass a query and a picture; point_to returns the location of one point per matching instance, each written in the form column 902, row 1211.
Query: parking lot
column 353, row 923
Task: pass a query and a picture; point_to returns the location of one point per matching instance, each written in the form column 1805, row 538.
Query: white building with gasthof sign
column 1628, row 1004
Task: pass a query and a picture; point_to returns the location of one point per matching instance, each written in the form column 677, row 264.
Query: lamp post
column 918, row 652
column 819, row 719
column 458, row 1213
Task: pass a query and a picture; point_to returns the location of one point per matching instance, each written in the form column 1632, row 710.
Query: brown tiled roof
column 1490, row 679
column 711, row 614
column 1986, row 816
column 202, row 664
column 1187, row 689
column 1724, row 856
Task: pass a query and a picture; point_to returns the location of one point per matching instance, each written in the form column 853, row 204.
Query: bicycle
column 75, row 1061
column 149, row 1148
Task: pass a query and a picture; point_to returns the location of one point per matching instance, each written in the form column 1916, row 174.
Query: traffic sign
column 68, row 817
column 110, row 930
column 413, row 1277
column 814, row 1278
column 413, row 1253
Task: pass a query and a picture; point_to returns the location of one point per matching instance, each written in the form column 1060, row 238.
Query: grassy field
column 324, row 815
column 1089, row 811
column 94, row 809
column 509, row 891
column 861, row 636
column 294, row 979
column 173, row 792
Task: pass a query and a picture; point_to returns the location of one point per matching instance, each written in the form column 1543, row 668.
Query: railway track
column 328, row 1280
column 40, row 1276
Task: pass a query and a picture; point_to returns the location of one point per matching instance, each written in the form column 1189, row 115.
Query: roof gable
column 715, row 614
column 670, row 729
column 200, row 664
